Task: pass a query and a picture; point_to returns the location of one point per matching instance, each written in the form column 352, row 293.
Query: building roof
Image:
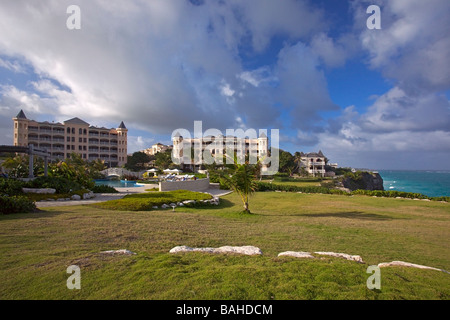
column 122, row 125
column 313, row 154
column 76, row 121
column 21, row 115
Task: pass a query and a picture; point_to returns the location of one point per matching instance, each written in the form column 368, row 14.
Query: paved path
column 102, row 197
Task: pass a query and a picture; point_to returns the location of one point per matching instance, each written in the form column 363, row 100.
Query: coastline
column 432, row 183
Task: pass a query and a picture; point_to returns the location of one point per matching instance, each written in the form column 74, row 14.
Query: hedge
column 265, row 186
column 14, row 204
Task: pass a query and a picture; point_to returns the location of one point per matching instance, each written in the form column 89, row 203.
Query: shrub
column 11, row 187
column 264, row 186
column 61, row 185
column 104, row 189
column 145, row 201
column 16, row 204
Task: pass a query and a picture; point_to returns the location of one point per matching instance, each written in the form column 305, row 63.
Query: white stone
column 39, row 191
column 296, row 254
column 165, row 206
column 76, row 197
column 407, row 264
column 342, row 255
column 121, row 251
column 173, row 204
column 246, row 250
column 155, row 207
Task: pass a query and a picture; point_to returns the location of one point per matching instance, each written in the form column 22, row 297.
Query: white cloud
column 413, row 45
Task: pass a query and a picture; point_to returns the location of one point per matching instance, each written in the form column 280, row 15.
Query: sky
column 368, row 98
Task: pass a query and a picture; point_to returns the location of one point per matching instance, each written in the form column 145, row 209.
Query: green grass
column 36, row 249
column 145, row 201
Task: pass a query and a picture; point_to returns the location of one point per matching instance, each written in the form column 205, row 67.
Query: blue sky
column 312, row 69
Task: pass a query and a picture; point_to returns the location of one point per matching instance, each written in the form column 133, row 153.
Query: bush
column 16, row 204
column 395, row 194
column 104, row 189
column 61, row 185
column 264, row 186
column 11, row 187
column 145, row 201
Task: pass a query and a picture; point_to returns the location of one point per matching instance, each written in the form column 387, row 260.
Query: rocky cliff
column 363, row 180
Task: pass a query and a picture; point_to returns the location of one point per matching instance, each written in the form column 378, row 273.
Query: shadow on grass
column 350, row 215
column 40, row 213
column 222, row 205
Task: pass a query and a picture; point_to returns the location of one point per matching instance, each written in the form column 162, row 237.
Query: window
column 68, row 139
column 73, row 130
column 68, row 130
column 80, row 131
column 73, row 139
column 84, row 131
column 80, row 139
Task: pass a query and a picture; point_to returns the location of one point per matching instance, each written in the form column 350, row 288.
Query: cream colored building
column 256, row 147
column 73, row 136
column 154, row 149
column 314, row 163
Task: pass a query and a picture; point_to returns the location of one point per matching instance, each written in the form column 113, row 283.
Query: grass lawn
column 36, row 249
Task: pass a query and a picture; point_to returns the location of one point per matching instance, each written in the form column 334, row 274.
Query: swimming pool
column 117, row 183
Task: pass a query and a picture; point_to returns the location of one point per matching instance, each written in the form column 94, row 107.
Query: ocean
column 429, row 183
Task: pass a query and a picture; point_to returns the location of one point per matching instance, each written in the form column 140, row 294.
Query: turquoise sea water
column 429, row 183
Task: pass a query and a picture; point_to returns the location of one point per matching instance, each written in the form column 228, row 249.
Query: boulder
column 296, row 254
column 118, row 252
column 407, row 264
column 342, row 255
column 75, row 197
column 165, row 206
column 245, row 250
column 39, row 191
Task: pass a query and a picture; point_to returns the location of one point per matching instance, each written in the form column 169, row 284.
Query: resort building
column 154, row 149
column 313, row 162
column 73, row 136
column 256, row 147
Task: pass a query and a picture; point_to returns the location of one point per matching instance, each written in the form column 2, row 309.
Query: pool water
column 116, row 183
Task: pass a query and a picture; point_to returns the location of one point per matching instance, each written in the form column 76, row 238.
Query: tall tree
column 137, row 161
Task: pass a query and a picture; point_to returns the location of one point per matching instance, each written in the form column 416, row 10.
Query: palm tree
column 242, row 181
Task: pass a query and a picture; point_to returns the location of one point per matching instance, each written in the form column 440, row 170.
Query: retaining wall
column 192, row 185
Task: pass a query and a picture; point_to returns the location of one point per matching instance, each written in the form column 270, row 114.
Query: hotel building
column 73, row 136
column 256, row 147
